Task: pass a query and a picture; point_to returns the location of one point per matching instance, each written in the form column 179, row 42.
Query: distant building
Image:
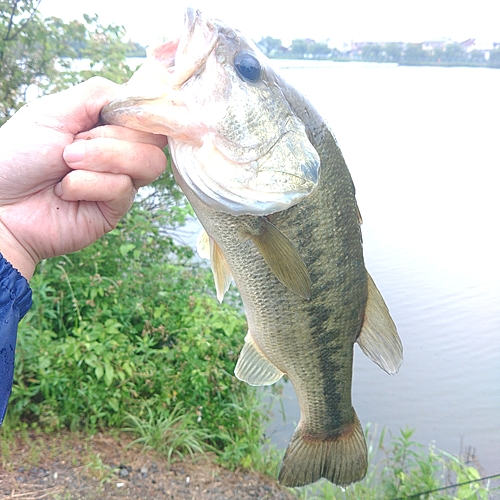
column 468, row 44
column 359, row 48
column 437, row 44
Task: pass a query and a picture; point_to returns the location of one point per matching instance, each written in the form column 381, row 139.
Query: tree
column 477, row 56
column 299, row 47
column 494, row 60
column 454, row 52
column 372, row 52
column 393, row 52
column 39, row 54
column 320, row 49
column 269, row 45
column 415, row 53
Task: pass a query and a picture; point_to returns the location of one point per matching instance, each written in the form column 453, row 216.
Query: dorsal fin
column 378, row 338
column 283, row 258
column 253, row 367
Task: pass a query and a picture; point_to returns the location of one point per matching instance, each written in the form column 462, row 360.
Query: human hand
column 65, row 182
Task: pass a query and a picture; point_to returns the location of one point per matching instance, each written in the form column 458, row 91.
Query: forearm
column 15, row 300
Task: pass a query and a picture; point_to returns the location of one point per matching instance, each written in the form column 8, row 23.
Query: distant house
column 468, row 44
column 439, row 43
column 359, row 48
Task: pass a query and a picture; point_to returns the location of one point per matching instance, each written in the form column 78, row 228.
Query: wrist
column 16, row 254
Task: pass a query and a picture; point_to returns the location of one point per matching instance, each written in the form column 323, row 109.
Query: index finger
column 75, row 109
column 124, row 134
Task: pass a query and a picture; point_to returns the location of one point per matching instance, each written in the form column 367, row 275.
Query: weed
column 173, row 435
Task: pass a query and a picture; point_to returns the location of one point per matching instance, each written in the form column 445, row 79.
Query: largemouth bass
column 268, row 182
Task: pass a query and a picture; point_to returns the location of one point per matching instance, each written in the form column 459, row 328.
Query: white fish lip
column 258, row 196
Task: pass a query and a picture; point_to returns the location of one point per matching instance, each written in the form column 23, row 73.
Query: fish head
column 235, row 141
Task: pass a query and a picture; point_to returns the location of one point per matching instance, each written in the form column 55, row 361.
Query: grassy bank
column 72, row 465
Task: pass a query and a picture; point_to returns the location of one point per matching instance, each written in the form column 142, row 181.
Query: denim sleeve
column 15, row 301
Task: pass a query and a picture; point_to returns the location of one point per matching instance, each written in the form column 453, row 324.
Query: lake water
column 423, row 147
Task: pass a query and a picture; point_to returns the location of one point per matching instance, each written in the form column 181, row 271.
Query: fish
column 265, row 176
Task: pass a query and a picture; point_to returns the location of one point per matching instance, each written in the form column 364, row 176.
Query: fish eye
column 247, row 66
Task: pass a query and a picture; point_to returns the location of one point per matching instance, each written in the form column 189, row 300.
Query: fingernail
column 74, row 152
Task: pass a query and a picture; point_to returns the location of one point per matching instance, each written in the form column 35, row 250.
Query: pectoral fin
column 207, row 248
column 379, row 339
column 253, row 367
column 283, row 259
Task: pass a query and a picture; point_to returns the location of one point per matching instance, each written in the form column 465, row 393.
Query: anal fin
column 253, row 367
column 378, row 338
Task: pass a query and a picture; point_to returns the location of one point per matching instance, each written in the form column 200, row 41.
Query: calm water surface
column 423, row 147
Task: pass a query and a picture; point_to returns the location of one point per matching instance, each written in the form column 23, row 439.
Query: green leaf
column 126, row 248
column 109, row 375
column 99, row 371
column 113, row 402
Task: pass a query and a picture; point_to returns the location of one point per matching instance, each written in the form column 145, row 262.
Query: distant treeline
column 442, row 53
column 80, row 48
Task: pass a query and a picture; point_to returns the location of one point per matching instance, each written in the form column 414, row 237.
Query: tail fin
column 342, row 459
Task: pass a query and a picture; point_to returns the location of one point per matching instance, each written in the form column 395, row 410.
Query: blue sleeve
column 15, row 300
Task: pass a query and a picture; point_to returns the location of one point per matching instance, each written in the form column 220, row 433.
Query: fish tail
column 341, row 458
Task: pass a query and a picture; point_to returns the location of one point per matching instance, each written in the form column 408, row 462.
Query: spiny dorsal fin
column 253, row 367
column 378, row 338
column 208, row 249
column 283, row 259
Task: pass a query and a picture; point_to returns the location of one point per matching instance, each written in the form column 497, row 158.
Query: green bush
column 128, row 331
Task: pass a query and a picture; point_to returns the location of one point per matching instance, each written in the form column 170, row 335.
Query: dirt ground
column 68, row 466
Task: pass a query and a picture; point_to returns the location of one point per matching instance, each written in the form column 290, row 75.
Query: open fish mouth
column 233, row 138
column 168, row 66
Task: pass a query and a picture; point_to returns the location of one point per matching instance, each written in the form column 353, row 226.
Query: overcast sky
column 146, row 21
